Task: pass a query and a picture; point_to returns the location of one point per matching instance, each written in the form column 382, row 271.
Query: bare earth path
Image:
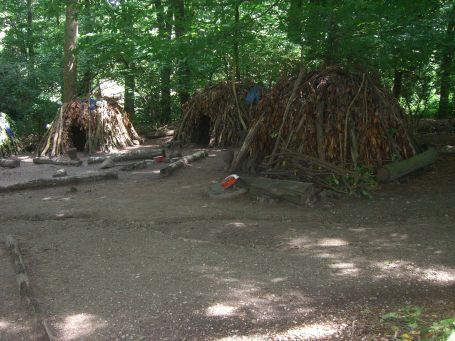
column 156, row 259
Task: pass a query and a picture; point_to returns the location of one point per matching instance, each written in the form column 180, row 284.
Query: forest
column 162, row 51
column 227, row 170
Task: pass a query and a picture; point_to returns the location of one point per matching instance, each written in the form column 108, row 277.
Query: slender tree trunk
column 236, row 49
column 397, row 84
column 294, row 20
column 85, row 86
column 165, row 29
column 183, row 70
column 331, row 50
column 69, row 52
column 130, row 89
column 446, row 67
column 31, row 50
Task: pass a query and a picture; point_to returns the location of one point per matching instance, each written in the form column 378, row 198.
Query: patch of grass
column 408, row 323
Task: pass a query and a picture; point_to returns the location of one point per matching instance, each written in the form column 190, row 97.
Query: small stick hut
column 9, row 143
column 218, row 115
column 89, row 125
column 329, row 118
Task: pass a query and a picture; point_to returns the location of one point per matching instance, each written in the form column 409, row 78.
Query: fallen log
column 129, row 156
column 182, row 162
column 49, row 182
column 46, row 161
column 396, row 170
column 7, row 163
column 42, row 330
column 139, row 165
column 296, row 192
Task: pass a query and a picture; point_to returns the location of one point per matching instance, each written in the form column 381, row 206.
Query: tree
column 69, row 51
column 183, row 70
column 448, row 48
column 164, row 30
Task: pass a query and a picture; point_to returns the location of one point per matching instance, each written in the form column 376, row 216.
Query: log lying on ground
column 40, row 183
column 42, row 331
column 139, row 165
column 397, row 169
column 296, row 192
column 129, row 156
column 46, row 161
column 7, row 163
column 182, row 162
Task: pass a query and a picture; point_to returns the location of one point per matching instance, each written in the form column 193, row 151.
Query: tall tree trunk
column 69, row 52
column 236, row 49
column 295, row 21
column 31, row 50
column 130, row 89
column 331, row 49
column 183, row 71
column 85, row 86
column 446, row 66
column 397, row 84
column 165, row 29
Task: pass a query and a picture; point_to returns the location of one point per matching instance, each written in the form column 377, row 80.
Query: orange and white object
column 229, row 181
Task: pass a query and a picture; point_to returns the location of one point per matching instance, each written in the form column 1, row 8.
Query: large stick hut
column 95, row 125
column 332, row 116
column 218, row 115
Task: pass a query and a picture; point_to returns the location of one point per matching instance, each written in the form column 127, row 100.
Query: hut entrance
column 78, row 137
column 202, row 133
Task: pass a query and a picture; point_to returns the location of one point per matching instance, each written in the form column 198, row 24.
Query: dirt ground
column 150, row 258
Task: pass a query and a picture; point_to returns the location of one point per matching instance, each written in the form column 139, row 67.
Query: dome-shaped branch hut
column 217, row 115
column 89, row 125
column 337, row 116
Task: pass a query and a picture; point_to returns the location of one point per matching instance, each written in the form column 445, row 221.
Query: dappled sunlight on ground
column 437, row 274
column 309, row 242
column 221, row 310
column 305, row 332
column 254, row 300
column 11, row 328
column 79, row 326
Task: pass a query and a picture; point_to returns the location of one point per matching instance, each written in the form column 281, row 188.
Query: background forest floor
column 153, row 258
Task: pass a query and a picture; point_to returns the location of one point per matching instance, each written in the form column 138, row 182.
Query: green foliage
column 122, row 38
column 409, row 323
column 361, row 183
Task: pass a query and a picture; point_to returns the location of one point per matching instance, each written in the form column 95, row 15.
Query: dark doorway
column 78, row 137
column 202, row 133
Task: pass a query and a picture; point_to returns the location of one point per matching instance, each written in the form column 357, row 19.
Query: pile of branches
column 103, row 122
column 224, row 106
column 9, row 143
column 325, row 124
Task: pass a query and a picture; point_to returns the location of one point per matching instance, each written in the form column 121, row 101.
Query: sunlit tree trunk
column 130, row 89
column 165, row 29
column 446, row 67
column 236, row 49
column 31, row 50
column 69, row 51
column 397, row 84
column 183, row 72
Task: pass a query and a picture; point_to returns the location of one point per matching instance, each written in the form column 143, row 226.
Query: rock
column 72, row 154
column 173, row 154
column 108, row 163
column 72, row 190
column 60, row 173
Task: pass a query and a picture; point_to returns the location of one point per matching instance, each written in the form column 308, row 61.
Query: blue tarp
column 254, row 95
